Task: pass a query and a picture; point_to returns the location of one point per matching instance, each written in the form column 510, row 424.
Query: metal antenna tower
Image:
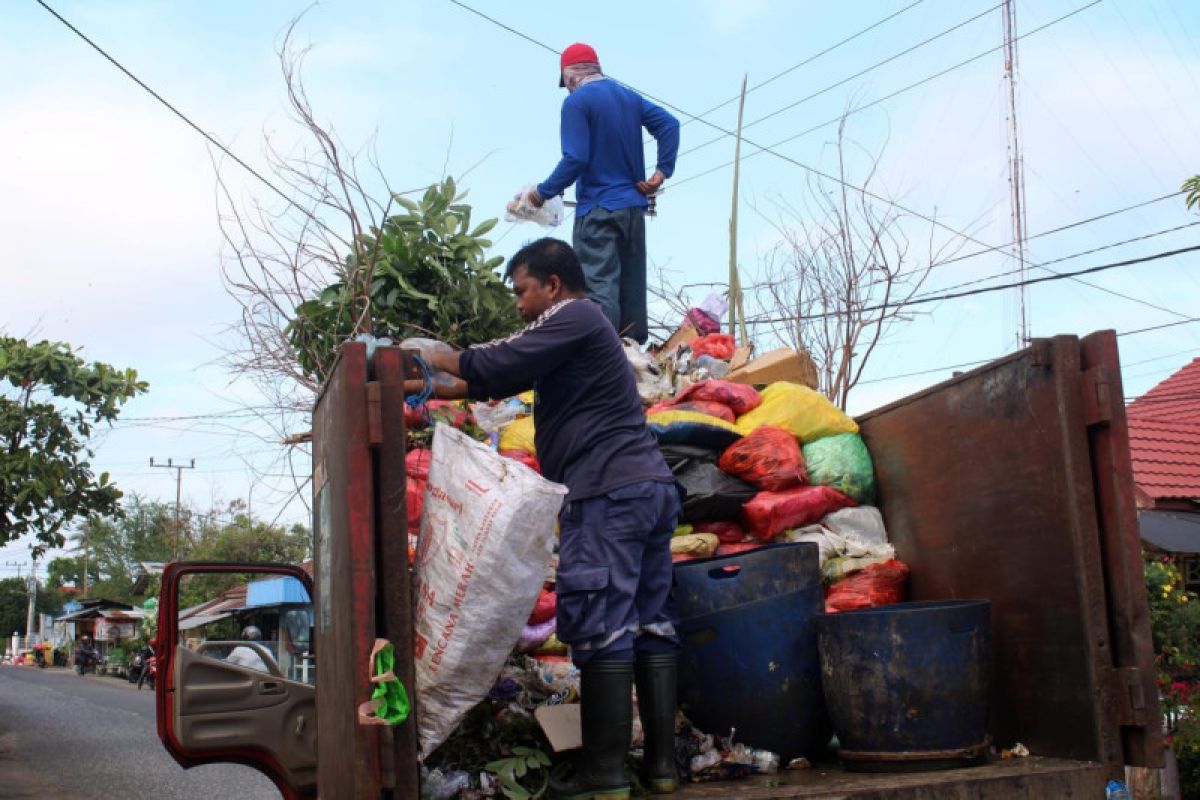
column 1016, row 169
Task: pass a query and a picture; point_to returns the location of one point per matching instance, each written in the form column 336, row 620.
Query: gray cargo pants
column 612, row 249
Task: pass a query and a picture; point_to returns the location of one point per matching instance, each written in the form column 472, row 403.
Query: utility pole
column 20, row 565
column 87, row 531
column 1016, row 169
column 179, row 468
column 32, row 602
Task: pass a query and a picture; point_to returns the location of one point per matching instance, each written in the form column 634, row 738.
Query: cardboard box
column 562, row 725
column 784, row 364
column 684, row 334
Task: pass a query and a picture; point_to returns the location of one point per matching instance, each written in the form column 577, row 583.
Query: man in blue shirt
column 602, row 155
column 614, row 572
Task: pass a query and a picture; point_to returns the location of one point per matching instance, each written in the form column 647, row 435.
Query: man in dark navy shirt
column 614, row 573
column 602, row 156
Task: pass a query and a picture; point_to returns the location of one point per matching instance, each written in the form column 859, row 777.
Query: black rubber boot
column 657, row 678
column 607, row 711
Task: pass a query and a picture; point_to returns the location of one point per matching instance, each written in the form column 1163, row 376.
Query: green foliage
column 14, row 605
column 513, row 769
column 425, row 274
column 242, row 541
column 1175, row 627
column 1192, row 187
column 50, row 399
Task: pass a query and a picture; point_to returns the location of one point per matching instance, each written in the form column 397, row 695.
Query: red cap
column 578, row 53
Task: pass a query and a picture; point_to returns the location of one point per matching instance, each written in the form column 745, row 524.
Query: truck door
column 1013, row 482
column 236, row 677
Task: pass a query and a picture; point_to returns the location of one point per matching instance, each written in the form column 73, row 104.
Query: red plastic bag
column 526, row 458
column 771, row 513
column 726, row 532
column 414, row 495
column 877, row 585
column 717, row 345
column 738, row 396
column 713, row 409
column 416, row 463
column 769, row 458
column 545, row 608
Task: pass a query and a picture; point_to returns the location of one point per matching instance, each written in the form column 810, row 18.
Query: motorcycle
column 137, row 664
column 86, row 662
column 149, row 671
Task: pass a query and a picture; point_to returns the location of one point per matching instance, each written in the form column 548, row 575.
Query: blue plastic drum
column 907, row 685
column 749, row 660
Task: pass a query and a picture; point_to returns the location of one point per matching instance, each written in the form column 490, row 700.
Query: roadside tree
column 50, row 402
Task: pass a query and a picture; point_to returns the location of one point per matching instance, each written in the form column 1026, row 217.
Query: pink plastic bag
column 717, row 345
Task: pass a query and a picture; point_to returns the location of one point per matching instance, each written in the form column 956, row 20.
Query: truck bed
column 1033, row 778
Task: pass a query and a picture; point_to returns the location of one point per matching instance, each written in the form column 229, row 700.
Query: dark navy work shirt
column 591, row 432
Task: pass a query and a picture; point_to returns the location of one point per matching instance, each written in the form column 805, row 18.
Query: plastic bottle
column 1117, row 790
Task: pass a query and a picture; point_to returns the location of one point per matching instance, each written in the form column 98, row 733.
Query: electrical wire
column 208, row 136
column 985, row 290
column 849, row 78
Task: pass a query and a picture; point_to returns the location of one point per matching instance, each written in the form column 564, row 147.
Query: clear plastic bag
column 519, row 209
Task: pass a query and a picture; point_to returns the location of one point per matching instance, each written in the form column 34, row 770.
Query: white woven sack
column 487, row 530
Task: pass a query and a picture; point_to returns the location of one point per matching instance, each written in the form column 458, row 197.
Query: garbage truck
column 1011, row 482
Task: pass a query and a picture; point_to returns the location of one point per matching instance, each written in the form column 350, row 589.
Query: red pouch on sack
column 769, row 458
column 738, row 396
column 771, row 513
column 717, row 345
column 528, row 459
column 718, row 410
column 726, row 532
column 877, row 585
column 416, row 463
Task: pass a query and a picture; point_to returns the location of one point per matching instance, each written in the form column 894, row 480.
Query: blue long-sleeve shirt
column 591, row 430
column 602, row 154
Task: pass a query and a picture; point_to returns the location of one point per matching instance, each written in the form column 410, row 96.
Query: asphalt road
column 79, row 738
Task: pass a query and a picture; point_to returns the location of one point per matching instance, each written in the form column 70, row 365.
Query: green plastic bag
column 389, row 701
column 843, row 463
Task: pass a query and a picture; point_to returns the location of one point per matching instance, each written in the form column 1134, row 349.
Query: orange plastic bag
column 877, row 585
column 768, row 458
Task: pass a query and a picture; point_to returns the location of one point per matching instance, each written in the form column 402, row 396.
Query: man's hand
column 651, row 186
column 534, row 199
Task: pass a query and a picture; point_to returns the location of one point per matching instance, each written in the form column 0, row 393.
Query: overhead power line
column 1070, row 257
column 858, row 109
column 807, row 60
column 209, row 137
column 849, row 78
column 985, row 290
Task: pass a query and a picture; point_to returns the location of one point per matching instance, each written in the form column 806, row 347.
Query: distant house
column 1164, row 440
column 108, row 622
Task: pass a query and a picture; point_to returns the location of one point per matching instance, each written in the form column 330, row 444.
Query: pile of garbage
column 760, row 466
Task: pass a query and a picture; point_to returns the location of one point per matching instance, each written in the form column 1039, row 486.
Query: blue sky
column 109, row 219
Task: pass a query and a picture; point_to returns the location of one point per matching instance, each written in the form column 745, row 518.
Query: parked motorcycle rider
column 245, row 656
column 86, row 655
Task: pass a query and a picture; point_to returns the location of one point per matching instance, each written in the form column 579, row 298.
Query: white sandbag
column 487, row 532
column 856, row 536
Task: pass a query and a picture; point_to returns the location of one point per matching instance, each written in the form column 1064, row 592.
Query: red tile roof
column 1164, row 436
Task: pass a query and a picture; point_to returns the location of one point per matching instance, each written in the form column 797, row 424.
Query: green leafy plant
column 50, row 401
column 1175, row 627
column 1192, row 187
column 518, row 766
column 424, row 273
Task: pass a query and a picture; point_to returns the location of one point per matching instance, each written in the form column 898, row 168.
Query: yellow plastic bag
column 806, row 414
column 518, row 435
